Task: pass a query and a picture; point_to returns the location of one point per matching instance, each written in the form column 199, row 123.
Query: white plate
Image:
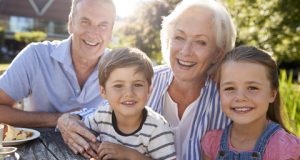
column 35, row 134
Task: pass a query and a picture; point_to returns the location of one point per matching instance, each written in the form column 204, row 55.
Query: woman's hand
column 109, row 150
column 76, row 136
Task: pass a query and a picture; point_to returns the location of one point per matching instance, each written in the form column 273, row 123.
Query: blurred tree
column 273, row 25
column 143, row 30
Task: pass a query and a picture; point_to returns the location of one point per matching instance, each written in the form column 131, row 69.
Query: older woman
column 194, row 38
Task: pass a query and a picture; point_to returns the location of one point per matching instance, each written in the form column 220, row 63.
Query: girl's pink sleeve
column 283, row 145
column 210, row 143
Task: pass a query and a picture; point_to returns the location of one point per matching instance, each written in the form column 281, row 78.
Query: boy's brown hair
column 124, row 57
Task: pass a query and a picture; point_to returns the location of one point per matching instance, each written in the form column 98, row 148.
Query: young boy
column 125, row 78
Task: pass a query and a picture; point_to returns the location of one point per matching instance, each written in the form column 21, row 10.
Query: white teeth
column 129, row 102
column 242, row 109
column 186, row 63
column 91, row 43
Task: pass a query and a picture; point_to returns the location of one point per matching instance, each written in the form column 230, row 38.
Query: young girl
column 250, row 98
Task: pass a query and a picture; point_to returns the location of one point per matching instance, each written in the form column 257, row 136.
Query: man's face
column 91, row 28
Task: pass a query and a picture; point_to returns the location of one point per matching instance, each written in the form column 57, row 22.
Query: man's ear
column 102, row 91
column 70, row 29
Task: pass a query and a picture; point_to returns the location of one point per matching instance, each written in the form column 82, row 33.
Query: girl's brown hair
column 254, row 55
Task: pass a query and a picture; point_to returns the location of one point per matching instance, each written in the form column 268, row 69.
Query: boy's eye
column 117, row 86
column 138, row 85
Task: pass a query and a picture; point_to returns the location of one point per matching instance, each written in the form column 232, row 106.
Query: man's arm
column 13, row 116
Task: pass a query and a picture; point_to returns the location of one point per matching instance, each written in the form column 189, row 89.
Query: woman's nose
column 186, row 49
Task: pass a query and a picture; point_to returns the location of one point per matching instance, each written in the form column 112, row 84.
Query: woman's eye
column 201, row 42
column 178, row 38
column 84, row 22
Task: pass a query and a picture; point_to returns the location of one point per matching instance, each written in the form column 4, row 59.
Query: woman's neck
column 184, row 93
column 244, row 137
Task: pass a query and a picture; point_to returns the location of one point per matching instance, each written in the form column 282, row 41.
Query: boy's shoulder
column 154, row 116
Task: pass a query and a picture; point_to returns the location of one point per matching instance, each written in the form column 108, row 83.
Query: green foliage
column 273, row 25
column 291, row 102
column 28, row 37
column 143, row 30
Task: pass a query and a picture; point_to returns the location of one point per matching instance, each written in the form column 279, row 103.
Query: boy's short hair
column 124, row 57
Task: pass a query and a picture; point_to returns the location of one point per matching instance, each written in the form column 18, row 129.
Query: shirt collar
column 62, row 52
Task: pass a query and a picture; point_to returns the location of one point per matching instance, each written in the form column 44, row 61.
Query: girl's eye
column 252, row 88
column 228, row 89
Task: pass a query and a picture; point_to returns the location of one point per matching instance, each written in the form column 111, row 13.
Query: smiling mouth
column 186, row 63
column 242, row 109
column 129, row 103
column 90, row 43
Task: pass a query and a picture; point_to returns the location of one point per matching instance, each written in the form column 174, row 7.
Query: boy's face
column 245, row 92
column 127, row 92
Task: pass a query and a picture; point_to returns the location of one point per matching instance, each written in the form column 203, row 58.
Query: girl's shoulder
column 210, row 143
column 283, row 145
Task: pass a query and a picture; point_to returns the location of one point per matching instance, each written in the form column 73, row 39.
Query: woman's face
column 193, row 45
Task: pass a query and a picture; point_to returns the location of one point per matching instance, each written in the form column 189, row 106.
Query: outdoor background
column 273, row 25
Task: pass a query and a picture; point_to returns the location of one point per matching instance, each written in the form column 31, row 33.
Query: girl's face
column 127, row 92
column 245, row 92
column 193, row 45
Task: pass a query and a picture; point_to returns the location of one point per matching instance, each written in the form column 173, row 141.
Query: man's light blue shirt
column 44, row 73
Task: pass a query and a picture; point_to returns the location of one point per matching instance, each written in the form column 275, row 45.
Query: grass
column 291, row 101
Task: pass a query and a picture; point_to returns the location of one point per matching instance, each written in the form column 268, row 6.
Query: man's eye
column 103, row 26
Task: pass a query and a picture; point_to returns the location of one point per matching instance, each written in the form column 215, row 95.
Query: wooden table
column 49, row 146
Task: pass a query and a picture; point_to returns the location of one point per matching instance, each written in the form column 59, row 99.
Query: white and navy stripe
column 208, row 114
column 154, row 137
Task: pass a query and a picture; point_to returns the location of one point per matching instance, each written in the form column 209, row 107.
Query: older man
column 59, row 76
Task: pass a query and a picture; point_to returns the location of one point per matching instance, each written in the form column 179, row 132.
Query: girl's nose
column 241, row 96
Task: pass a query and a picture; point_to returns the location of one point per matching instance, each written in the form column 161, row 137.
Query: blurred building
column 49, row 16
